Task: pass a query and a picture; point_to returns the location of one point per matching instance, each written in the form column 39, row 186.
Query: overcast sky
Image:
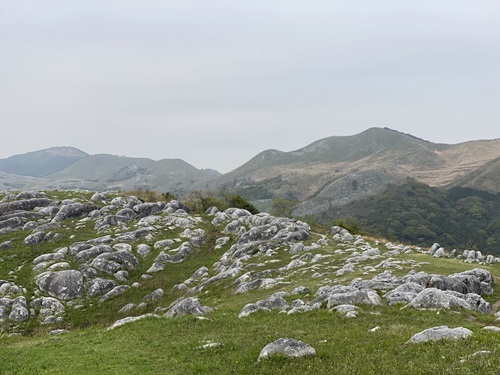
column 216, row 82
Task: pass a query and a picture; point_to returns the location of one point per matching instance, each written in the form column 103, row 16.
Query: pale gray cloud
column 216, row 82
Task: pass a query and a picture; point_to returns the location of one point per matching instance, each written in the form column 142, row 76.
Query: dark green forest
column 413, row 212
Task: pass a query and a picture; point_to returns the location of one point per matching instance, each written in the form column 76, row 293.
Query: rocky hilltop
column 76, row 258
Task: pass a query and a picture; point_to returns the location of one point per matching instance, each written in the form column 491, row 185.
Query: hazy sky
column 216, row 82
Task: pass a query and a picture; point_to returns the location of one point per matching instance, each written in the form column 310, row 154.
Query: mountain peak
column 42, row 162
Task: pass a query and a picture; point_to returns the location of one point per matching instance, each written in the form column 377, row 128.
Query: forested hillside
column 416, row 213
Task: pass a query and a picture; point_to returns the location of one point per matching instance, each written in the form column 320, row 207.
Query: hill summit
column 43, row 162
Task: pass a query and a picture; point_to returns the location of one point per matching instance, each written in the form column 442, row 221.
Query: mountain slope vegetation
column 416, row 213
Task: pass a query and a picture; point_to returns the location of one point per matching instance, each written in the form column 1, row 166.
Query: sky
column 216, row 82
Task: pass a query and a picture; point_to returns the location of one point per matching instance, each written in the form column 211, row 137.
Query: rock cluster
column 131, row 235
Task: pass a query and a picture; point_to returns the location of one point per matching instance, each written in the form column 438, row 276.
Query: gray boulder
column 188, row 306
column 99, row 286
column 288, row 347
column 6, row 245
column 127, row 212
column 433, row 249
column 251, row 308
column 92, row 252
column 149, row 208
column 433, row 298
column 47, row 303
column 447, row 283
column 110, row 220
column 296, row 248
column 163, row 244
column 485, row 278
column 116, row 291
column 490, row 259
column 439, row 253
column 404, row 293
column 99, row 197
column 154, row 296
column 265, row 283
column 52, row 257
column 8, row 288
column 143, row 249
column 64, row 285
column 11, row 223
column 105, row 265
column 344, row 309
column 34, row 239
column 364, row 297
column 300, row 290
column 73, row 210
column 440, row 333
column 131, row 319
column 116, row 261
column 19, row 312
column 135, row 235
column 182, row 253
column 24, row 205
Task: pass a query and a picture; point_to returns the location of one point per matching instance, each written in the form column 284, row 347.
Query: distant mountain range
column 70, row 168
column 328, row 173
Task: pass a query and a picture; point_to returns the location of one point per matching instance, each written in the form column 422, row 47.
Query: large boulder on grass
column 73, row 210
column 440, row 333
column 288, row 347
column 188, row 306
column 64, row 285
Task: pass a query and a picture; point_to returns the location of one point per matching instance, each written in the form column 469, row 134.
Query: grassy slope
column 171, row 346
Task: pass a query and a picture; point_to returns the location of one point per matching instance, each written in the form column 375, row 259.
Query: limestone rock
column 404, row 293
column 19, row 312
column 64, row 285
column 440, row 333
column 117, row 290
column 99, row 286
column 288, row 347
column 131, row 319
column 188, row 306
column 6, row 245
column 74, row 210
column 92, row 252
column 143, row 249
column 154, row 296
column 433, row 249
column 364, row 297
column 34, row 238
column 52, row 257
column 439, row 253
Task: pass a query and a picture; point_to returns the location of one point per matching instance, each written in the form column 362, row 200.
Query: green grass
column 344, row 346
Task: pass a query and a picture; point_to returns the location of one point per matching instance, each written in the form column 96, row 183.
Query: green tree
column 283, row 207
column 238, row 201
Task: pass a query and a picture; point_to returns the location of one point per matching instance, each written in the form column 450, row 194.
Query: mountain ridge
column 304, row 173
column 317, row 174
